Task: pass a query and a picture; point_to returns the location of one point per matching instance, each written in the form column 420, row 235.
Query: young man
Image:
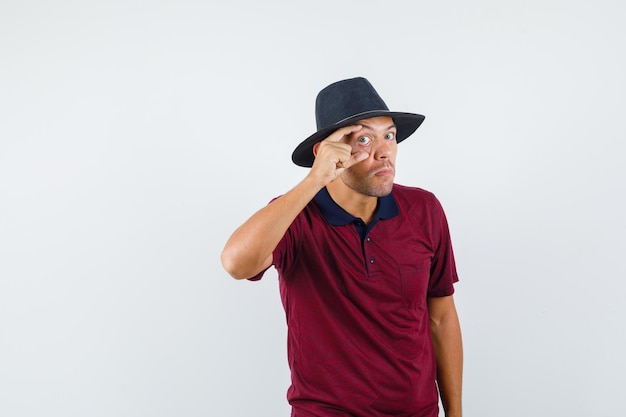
column 365, row 266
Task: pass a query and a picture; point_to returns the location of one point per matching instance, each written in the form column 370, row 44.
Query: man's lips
column 384, row 172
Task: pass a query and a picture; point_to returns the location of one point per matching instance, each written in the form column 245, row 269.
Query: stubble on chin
column 368, row 186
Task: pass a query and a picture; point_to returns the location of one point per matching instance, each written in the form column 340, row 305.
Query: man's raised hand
column 334, row 155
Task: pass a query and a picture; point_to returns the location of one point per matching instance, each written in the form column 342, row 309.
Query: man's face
column 373, row 176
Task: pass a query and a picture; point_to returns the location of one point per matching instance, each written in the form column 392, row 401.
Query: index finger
column 340, row 133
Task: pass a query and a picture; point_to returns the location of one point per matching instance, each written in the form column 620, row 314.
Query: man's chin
column 381, row 191
column 372, row 188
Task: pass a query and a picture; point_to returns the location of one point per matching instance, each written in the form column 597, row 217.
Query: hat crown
column 345, row 99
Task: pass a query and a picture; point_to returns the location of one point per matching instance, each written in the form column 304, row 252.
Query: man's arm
column 249, row 249
column 446, row 335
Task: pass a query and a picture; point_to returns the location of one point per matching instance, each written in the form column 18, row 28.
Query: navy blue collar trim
column 336, row 216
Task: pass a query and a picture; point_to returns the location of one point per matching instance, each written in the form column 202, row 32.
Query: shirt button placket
column 370, row 259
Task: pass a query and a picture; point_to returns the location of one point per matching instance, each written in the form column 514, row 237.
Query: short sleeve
column 285, row 251
column 443, row 273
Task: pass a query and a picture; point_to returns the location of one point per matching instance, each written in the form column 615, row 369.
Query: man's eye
column 390, row 136
column 364, row 140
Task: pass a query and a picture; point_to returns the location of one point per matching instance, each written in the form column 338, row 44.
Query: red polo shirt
column 355, row 300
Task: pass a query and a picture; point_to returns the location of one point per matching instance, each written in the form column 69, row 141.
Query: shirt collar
column 336, row 216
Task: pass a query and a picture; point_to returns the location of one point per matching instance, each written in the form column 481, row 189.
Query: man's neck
column 357, row 204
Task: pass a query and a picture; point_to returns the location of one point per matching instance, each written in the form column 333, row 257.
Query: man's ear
column 315, row 148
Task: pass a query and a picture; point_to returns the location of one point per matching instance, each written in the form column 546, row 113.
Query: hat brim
column 406, row 124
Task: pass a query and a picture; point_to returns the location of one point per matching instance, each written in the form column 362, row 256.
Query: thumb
column 356, row 157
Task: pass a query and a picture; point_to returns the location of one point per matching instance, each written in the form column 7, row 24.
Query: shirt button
column 371, row 260
column 367, row 239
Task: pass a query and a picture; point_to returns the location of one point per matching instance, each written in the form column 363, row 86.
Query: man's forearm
column 446, row 334
column 250, row 247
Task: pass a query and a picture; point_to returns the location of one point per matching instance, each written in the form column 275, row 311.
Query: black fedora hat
column 345, row 102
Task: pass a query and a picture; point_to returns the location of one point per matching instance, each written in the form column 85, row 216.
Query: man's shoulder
column 416, row 203
column 412, row 194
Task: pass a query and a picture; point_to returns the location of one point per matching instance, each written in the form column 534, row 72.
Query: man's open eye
column 390, row 136
column 364, row 140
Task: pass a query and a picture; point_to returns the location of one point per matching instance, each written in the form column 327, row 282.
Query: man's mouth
column 384, row 172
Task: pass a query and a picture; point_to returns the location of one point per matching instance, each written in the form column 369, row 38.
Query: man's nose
column 383, row 149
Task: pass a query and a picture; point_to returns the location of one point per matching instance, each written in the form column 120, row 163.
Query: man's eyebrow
column 370, row 128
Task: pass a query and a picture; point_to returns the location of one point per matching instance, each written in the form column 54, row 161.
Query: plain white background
column 135, row 136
